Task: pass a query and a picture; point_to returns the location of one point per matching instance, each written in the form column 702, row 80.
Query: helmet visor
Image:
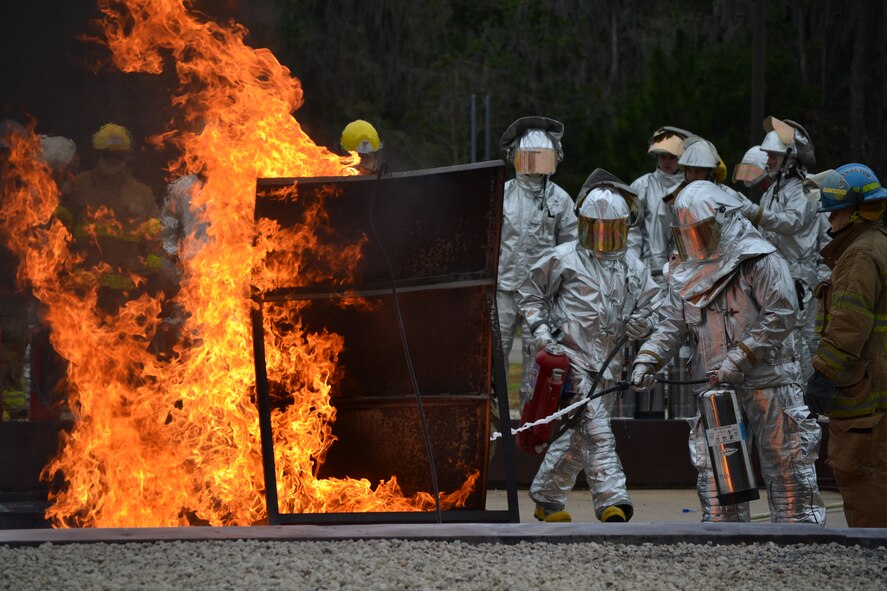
column 698, row 240
column 603, row 235
column 748, row 173
column 666, row 144
column 535, row 160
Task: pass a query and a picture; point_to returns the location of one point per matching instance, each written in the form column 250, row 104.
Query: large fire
column 175, row 441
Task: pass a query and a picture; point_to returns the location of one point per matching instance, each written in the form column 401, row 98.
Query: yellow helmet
column 720, row 171
column 361, row 137
column 112, row 137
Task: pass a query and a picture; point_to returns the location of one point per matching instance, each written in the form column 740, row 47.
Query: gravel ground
column 396, row 564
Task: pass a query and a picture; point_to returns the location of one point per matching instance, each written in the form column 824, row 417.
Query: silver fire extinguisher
column 727, row 439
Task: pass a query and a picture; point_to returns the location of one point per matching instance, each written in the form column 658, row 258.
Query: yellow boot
column 551, row 515
column 613, row 514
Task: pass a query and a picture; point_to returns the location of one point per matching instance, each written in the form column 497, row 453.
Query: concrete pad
column 658, row 506
column 627, row 533
column 660, row 518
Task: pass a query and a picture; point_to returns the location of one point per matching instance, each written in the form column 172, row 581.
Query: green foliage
column 612, row 72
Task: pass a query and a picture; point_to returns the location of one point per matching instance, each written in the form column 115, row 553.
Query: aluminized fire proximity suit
column 536, row 215
column 650, row 240
column 734, row 296
column 789, row 220
column 586, row 295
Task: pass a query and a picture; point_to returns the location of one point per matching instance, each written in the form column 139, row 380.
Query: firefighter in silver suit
column 733, row 295
column 788, row 218
column 586, row 295
column 536, row 215
column 650, row 240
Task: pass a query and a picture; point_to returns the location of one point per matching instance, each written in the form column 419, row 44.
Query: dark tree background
column 611, row 71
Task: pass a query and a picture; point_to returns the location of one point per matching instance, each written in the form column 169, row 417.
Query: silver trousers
column 510, row 318
column 590, row 446
column 788, row 445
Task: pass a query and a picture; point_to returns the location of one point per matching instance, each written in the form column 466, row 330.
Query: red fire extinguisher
column 551, row 368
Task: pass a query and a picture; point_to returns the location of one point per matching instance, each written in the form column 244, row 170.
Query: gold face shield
column 603, row 235
column 535, row 161
column 698, row 240
column 748, row 173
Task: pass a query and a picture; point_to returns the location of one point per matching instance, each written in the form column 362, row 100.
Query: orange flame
column 174, row 442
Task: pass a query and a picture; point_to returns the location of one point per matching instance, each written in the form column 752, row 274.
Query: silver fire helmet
column 699, row 152
column 753, row 167
column 604, row 218
column 535, row 153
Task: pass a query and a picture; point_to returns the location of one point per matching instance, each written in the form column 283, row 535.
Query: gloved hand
column 638, row 328
column 729, row 373
column 542, row 336
column 642, row 377
column 748, row 208
column 820, row 394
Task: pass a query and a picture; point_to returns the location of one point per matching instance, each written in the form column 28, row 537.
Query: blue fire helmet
column 863, row 181
column 834, row 191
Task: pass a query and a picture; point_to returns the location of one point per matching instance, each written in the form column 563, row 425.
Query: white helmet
column 753, row 167
column 699, row 152
column 58, row 151
column 699, row 212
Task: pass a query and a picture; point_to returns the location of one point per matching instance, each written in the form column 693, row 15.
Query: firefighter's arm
column 538, row 291
column 797, row 215
column 774, row 292
column 668, row 335
column 637, row 234
column 856, row 288
column 568, row 223
column 643, row 318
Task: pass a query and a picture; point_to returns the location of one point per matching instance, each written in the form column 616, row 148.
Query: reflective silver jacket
column 531, row 225
column 651, row 240
column 586, row 301
column 789, row 220
column 752, row 309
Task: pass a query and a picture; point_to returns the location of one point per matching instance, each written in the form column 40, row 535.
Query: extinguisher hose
column 663, row 380
column 553, row 417
column 573, row 420
column 619, row 387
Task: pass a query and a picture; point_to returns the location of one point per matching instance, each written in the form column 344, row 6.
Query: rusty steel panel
column 447, row 331
column 435, row 224
column 439, row 230
column 382, row 437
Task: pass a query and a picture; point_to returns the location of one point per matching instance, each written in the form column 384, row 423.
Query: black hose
column 571, row 422
column 662, row 380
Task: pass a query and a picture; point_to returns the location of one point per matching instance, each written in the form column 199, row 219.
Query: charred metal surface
column 382, row 436
column 450, row 352
column 434, row 236
column 435, row 224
